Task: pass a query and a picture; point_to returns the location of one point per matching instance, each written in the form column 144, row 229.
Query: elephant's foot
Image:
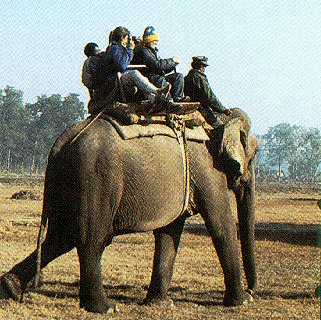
column 11, row 286
column 237, row 300
column 98, row 305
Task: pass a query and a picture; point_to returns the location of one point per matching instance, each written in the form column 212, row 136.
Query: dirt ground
column 288, row 272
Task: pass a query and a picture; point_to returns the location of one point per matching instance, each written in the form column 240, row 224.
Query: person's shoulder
column 86, row 62
column 111, row 47
column 145, row 49
column 139, row 48
column 114, row 47
column 97, row 57
column 192, row 73
column 198, row 73
column 101, row 54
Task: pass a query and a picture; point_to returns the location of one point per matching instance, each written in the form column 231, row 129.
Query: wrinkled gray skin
column 102, row 186
column 233, row 149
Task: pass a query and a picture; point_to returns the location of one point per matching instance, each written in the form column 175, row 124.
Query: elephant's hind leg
column 56, row 243
column 166, row 245
column 91, row 294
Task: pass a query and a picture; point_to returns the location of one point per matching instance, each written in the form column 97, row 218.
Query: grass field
column 288, row 273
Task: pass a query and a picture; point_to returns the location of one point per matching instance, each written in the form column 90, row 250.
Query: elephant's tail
column 43, row 224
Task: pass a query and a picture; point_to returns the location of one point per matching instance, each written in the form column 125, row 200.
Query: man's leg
column 158, row 80
column 210, row 117
column 158, row 96
column 177, row 82
column 133, row 78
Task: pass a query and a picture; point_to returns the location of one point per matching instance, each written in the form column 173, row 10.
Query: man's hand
column 131, row 44
column 177, row 60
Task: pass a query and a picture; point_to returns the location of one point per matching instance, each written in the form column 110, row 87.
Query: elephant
column 99, row 186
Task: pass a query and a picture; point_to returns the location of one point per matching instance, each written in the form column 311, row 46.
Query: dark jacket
column 197, row 87
column 155, row 65
column 115, row 59
column 92, row 74
column 86, row 76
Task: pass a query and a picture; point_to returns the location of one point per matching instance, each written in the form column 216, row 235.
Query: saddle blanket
column 133, row 131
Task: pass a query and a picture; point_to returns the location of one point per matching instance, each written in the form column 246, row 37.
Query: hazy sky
column 264, row 56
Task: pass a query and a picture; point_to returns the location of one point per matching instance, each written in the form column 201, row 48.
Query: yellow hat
column 150, row 35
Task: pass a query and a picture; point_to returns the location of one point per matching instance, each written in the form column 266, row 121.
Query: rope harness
column 178, row 125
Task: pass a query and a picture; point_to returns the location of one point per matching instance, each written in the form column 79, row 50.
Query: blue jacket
column 115, row 59
column 155, row 65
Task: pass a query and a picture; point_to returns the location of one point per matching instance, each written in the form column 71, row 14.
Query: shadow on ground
column 128, row 294
column 131, row 293
column 303, row 234
column 266, row 294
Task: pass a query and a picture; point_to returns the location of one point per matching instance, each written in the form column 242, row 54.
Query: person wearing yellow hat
column 159, row 71
column 113, row 65
column 196, row 86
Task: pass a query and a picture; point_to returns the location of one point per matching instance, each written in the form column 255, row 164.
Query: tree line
column 289, row 153
column 28, row 130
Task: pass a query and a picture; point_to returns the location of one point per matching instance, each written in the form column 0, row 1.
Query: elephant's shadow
column 130, row 293
column 299, row 234
column 135, row 294
column 70, row 290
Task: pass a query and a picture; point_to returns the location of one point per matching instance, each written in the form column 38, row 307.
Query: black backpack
column 93, row 71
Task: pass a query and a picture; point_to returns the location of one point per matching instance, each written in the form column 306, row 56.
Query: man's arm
column 121, row 58
column 209, row 98
column 159, row 66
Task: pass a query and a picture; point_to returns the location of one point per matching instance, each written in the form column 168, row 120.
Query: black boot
column 160, row 104
column 165, row 90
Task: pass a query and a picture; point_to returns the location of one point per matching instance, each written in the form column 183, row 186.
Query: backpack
column 92, row 71
column 86, row 76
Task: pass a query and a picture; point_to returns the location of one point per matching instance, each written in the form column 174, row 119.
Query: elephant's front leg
column 91, row 293
column 222, row 230
column 166, row 245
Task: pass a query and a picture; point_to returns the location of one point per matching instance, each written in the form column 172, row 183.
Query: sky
column 264, row 56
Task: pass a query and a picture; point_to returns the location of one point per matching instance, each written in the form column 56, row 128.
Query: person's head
column 150, row 37
column 91, row 49
column 119, row 36
column 199, row 63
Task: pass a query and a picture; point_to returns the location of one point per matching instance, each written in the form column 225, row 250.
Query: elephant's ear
column 233, row 147
column 252, row 147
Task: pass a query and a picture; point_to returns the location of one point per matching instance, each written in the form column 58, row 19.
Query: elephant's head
column 234, row 147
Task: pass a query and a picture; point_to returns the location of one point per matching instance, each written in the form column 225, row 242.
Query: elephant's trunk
column 244, row 194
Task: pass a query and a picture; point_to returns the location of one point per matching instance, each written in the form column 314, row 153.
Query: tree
column 14, row 119
column 49, row 117
column 313, row 151
column 280, row 144
column 305, row 161
column 293, row 150
column 262, row 166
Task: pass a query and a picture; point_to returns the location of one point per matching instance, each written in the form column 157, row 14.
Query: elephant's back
column 67, row 136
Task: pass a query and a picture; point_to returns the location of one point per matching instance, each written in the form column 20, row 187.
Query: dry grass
column 288, row 274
